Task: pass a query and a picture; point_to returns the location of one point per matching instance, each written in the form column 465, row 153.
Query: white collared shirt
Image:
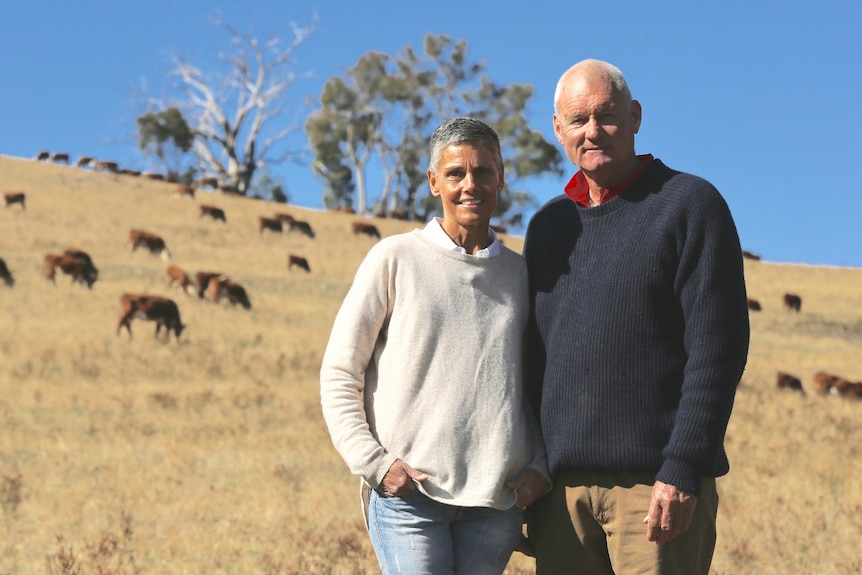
column 433, row 231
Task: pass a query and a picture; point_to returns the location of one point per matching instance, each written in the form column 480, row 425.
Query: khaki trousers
column 592, row 524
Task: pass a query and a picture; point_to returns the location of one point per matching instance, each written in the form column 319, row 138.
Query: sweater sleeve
column 711, row 289
column 356, row 329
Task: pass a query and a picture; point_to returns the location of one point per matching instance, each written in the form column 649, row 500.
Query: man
column 637, row 339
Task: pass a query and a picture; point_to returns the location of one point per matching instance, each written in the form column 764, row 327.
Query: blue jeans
column 419, row 536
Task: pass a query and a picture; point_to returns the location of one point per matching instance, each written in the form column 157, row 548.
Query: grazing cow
column 79, row 269
column 179, row 278
column 153, row 176
column 60, row 157
column 836, row 385
column 10, row 198
column 270, row 224
column 155, row 308
column 129, row 172
column 202, row 281
column 153, row 243
column 223, row 286
column 83, row 256
column 297, row 261
column 184, row 191
column 302, row 227
column 365, row 228
column 213, row 212
column 43, row 156
column 106, row 166
column 750, row 256
column 283, row 217
column 5, row 274
column 207, row 182
column 754, row 305
column 787, row 381
column 85, row 162
column 792, row 302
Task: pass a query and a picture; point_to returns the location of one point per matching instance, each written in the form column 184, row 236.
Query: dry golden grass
column 122, row 455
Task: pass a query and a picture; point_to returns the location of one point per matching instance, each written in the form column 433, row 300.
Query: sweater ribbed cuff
column 681, row 475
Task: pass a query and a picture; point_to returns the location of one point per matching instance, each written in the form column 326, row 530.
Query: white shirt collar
column 433, row 231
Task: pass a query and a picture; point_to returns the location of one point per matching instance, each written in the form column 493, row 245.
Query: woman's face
column 467, row 181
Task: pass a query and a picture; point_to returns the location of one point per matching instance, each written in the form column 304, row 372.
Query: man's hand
column 398, row 481
column 670, row 512
column 528, row 485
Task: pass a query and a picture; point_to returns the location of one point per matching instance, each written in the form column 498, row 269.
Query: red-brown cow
column 835, row 385
column 792, row 302
column 11, row 198
column 85, row 162
column 213, row 212
column 298, row 261
column 155, row 308
column 302, row 227
column 271, row 224
column 787, row 381
column 365, row 228
column 153, row 176
column 284, row 217
column 79, row 269
column 202, row 281
column 184, row 191
column 153, row 243
column 106, row 166
column 5, row 274
column 179, row 278
column 223, row 286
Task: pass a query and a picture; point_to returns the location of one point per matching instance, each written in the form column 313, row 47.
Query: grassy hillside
column 136, row 455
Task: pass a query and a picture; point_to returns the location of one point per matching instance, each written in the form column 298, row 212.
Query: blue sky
column 760, row 97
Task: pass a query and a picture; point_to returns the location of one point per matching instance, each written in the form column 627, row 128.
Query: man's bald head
column 589, row 70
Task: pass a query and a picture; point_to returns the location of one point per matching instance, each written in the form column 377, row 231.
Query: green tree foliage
column 165, row 135
column 382, row 111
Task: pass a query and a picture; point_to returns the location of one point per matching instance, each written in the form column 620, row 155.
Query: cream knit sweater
column 425, row 364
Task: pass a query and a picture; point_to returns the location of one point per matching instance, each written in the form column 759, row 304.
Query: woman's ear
column 432, row 183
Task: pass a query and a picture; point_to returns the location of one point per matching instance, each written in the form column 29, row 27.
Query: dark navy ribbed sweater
column 639, row 329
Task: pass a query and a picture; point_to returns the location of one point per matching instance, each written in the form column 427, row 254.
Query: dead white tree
column 229, row 110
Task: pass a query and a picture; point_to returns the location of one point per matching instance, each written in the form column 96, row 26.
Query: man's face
column 596, row 129
column 467, row 181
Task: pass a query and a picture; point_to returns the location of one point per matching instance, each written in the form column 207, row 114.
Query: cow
column 155, row 308
column 83, row 256
column 369, row 230
column 153, row 243
column 302, row 227
column 202, row 281
column 42, row 156
column 499, row 229
column 153, row 176
column 223, row 286
column 106, row 166
column 19, row 198
column 750, row 256
column 298, row 261
column 60, row 157
column 213, row 212
column 179, row 278
column 80, row 271
column 827, row 383
column 754, row 305
column 184, row 191
column 5, row 274
column 792, row 302
column 283, row 217
column 85, row 162
column 787, row 381
column 271, row 224
column 129, row 172
column 207, row 182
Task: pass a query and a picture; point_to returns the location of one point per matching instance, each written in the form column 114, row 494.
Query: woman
column 421, row 382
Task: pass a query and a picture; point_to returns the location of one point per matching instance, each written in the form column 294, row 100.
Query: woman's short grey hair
column 459, row 130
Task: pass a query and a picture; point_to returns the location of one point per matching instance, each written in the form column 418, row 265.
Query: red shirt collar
column 578, row 189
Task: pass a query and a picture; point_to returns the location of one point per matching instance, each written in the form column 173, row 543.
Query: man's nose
column 593, row 128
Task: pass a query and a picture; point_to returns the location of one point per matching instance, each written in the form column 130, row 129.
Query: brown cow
column 42, row 156
column 754, row 305
column 833, row 384
column 60, row 157
column 84, row 257
column 106, row 166
column 155, row 308
column 85, row 162
column 202, row 281
column 223, row 286
column 79, row 269
column 283, row 217
column 184, row 191
column 177, row 276
column 792, row 302
column 270, row 224
column 207, row 182
column 153, row 176
column 213, row 212
column 297, row 261
column 129, row 172
column 787, row 381
column 369, row 230
column 750, row 256
column 153, row 243
column 302, row 227
column 5, row 274
column 10, row 198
